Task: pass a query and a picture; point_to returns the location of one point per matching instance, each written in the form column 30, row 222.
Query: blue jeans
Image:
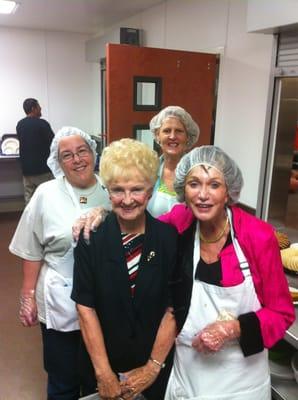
column 61, row 352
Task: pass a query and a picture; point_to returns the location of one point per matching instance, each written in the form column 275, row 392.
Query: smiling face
column 206, row 193
column 76, row 160
column 172, row 137
column 129, row 196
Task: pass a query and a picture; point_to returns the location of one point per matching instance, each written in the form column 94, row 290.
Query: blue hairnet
column 53, row 160
column 191, row 127
column 215, row 157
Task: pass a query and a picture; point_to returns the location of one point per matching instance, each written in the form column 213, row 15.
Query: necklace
column 218, row 237
column 83, row 194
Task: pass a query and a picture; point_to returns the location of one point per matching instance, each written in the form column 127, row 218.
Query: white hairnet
column 216, row 158
column 191, row 127
column 53, row 160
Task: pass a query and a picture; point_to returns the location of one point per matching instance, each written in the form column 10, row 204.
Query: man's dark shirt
column 35, row 136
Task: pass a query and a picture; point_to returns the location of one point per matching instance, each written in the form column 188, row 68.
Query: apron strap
column 240, row 255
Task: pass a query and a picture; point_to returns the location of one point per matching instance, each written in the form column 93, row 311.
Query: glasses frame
column 77, row 153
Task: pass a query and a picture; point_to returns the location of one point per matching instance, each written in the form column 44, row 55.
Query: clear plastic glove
column 89, row 222
column 28, row 309
column 214, row 336
column 138, row 379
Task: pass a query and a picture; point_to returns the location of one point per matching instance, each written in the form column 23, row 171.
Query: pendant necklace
column 83, row 197
column 218, row 237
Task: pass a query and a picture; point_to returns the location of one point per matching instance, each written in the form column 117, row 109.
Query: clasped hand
column 132, row 383
column 214, row 336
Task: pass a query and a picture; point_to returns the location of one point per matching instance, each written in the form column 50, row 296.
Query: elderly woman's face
column 172, row 137
column 129, row 197
column 206, row 193
column 76, row 160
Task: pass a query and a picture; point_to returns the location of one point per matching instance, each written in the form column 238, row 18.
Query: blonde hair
column 122, row 157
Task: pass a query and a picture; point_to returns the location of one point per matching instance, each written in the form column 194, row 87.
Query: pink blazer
column 260, row 246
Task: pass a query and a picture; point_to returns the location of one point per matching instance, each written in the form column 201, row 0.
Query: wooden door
column 186, row 79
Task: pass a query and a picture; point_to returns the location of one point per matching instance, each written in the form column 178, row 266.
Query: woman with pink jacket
column 230, row 295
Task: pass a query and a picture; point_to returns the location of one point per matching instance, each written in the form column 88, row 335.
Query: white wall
column 51, row 67
column 243, row 95
column 219, row 26
column 269, row 15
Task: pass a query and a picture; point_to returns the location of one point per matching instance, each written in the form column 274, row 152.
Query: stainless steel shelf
column 287, row 389
column 284, row 389
column 292, row 333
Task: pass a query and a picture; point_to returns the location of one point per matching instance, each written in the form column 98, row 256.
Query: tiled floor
column 21, row 371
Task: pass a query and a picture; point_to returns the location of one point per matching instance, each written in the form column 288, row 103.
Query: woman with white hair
column 121, row 282
column 176, row 132
column 43, row 239
column 230, row 295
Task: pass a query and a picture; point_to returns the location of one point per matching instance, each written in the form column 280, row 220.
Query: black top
column 129, row 324
column 35, row 136
column 211, row 273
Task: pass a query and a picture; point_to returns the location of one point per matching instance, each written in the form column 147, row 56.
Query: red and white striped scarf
column 133, row 245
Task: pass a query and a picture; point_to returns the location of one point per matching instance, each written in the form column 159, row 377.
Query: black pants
column 61, row 354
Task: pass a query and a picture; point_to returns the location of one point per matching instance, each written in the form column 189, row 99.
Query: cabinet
column 286, row 389
column 11, row 184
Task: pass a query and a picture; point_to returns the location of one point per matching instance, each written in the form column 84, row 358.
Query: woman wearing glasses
column 121, row 281
column 43, row 239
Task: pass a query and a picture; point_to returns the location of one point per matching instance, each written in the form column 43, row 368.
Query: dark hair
column 29, row 104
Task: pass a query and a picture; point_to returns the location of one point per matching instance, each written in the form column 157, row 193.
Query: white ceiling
column 84, row 16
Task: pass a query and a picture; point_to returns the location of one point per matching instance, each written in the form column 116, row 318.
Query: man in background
column 35, row 136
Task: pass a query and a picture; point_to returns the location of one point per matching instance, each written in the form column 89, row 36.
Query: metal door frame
column 271, row 122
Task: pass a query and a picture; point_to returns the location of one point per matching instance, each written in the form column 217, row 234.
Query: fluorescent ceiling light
column 8, row 7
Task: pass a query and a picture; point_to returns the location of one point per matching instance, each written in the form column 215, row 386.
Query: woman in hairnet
column 231, row 298
column 176, row 132
column 43, row 239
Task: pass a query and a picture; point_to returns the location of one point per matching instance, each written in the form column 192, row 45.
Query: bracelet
column 161, row 365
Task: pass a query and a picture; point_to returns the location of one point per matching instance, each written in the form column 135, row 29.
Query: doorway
column 282, row 211
column 140, row 81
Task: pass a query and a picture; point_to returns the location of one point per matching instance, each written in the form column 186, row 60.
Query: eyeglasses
column 120, row 194
column 69, row 156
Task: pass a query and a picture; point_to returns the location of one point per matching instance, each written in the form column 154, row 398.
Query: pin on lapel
column 150, row 255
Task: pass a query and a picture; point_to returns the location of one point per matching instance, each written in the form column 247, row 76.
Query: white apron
column 227, row 374
column 60, row 309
